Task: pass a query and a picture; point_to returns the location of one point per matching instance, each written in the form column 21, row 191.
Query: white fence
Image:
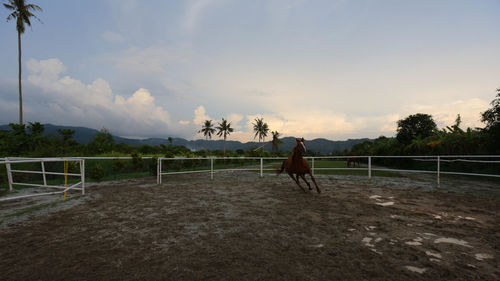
column 10, row 161
column 258, row 164
column 369, row 168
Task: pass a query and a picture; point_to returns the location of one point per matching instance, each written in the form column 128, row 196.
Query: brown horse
column 353, row 160
column 297, row 165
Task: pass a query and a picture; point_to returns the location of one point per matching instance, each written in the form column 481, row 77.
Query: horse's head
column 301, row 145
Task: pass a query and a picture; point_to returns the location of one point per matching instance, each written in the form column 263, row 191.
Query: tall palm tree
column 22, row 12
column 260, row 128
column 276, row 141
column 207, row 129
column 224, row 129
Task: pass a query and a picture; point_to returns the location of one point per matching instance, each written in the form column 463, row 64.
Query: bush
column 96, row 173
column 118, row 165
column 137, row 162
column 153, row 165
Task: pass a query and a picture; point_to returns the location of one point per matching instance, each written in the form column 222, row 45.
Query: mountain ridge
column 84, row 135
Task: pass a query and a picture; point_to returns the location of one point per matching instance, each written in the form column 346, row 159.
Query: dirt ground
column 242, row 227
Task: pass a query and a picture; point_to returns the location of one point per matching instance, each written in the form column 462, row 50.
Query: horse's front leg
column 304, row 178
column 296, row 181
column 314, row 180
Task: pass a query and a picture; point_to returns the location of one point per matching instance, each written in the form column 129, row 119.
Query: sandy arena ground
column 242, row 227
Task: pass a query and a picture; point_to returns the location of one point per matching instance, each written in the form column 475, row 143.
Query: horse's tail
column 279, row 170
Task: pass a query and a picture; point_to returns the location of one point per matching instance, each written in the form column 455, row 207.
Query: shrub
column 118, row 165
column 97, row 172
column 137, row 162
column 153, row 165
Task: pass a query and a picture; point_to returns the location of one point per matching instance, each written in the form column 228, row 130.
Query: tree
column 17, row 141
column 492, row 130
column 413, row 126
column 260, row 128
column 492, row 116
column 22, row 12
column 276, row 141
column 207, row 129
column 36, row 130
column 66, row 134
column 102, row 142
column 170, row 140
column 224, row 129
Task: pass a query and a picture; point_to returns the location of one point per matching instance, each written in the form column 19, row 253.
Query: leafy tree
column 260, row 128
column 207, row 129
column 36, row 130
column 413, row 126
column 224, row 129
column 276, row 141
column 492, row 130
column 16, row 140
column 169, row 140
column 22, row 12
column 102, row 142
column 492, row 116
column 67, row 136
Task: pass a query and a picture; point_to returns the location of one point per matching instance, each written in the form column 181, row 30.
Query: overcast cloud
column 329, row 69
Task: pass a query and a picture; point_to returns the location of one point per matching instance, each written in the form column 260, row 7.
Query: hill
column 83, row 135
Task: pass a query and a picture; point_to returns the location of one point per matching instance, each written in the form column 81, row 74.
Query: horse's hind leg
column 304, row 178
column 314, row 180
column 296, row 181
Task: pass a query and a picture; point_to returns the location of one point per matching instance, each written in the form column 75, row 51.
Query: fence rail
column 258, row 166
column 18, row 160
column 369, row 168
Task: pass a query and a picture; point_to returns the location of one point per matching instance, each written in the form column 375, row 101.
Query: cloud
column 200, row 115
column 112, row 37
column 445, row 114
column 235, row 119
column 68, row 101
column 290, row 110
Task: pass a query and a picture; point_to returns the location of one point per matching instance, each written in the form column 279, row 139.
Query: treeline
column 29, row 141
column 418, row 135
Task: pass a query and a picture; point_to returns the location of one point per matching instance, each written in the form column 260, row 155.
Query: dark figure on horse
column 297, row 165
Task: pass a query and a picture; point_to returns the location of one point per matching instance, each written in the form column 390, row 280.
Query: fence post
column 158, row 171
column 261, row 166
column 161, row 169
column 43, row 172
column 9, row 173
column 211, row 168
column 369, row 167
column 438, row 170
column 82, row 174
column 312, row 170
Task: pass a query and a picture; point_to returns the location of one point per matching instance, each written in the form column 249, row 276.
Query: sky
column 334, row 69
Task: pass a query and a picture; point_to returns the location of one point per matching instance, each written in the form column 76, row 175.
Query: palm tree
column 207, row 129
column 22, row 12
column 260, row 128
column 224, row 129
column 276, row 141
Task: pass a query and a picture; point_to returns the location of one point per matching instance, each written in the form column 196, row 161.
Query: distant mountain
column 83, row 135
